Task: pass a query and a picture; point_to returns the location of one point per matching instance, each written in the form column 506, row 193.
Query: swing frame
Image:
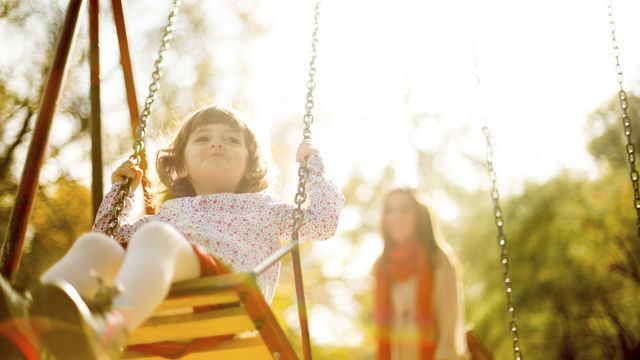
column 11, row 253
column 25, row 197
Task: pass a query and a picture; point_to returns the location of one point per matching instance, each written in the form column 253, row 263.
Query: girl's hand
column 304, row 150
column 127, row 170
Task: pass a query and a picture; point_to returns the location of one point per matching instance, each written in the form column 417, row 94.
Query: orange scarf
column 397, row 265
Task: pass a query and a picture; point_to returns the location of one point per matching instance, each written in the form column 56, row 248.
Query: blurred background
column 397, row 104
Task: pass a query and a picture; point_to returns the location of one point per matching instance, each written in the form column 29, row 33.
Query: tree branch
column 8, row 157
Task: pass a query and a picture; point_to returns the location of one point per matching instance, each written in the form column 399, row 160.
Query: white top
column 448, row 312
column 241, row 230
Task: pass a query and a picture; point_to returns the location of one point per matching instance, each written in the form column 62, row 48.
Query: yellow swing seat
column 242, row 309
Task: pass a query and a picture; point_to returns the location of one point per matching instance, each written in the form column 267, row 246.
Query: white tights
column 157, row 255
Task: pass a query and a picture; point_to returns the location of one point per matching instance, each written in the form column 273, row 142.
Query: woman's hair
column 426, row 231
column 170, row 161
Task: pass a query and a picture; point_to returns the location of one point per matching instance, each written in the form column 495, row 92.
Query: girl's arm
column 321, row 210
column 125, row 229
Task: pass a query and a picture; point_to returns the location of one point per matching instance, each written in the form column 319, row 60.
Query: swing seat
column 239, row 307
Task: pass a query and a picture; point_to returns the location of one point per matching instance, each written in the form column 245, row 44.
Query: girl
column 215, row 212
column 419, row 308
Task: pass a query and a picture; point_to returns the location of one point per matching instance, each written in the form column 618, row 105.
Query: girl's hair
column 170, row 161
column 426, row 230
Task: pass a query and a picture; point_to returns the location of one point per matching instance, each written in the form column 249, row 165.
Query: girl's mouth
column 216, row 155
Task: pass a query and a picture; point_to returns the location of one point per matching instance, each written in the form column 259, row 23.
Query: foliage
column 62, row 208
column 573, row 248
column 62, row 212
column 605, row 127
column 572, row 240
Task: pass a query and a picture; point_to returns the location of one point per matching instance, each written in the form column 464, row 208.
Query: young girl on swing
column 215, row 213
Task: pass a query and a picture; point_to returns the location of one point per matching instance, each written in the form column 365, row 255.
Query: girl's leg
column 156, row 256
column 91, row 251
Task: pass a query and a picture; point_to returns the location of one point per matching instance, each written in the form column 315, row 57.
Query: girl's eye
column 233, row 140
column 202, row 139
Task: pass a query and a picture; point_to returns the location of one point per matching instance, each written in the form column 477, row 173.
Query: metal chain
column 499, row 221
column 138, row 145
column 301, row 195
column 626, row 120
column 303, row 171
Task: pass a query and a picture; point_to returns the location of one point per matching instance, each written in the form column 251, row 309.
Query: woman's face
column 399, row 218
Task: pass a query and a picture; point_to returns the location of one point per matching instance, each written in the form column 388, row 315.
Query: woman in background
column 419, row 308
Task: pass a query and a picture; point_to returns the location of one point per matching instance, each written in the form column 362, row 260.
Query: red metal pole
column 127, row 72
column 125, row 61
column 14, row 238
column 302, row 306
column 96, row 136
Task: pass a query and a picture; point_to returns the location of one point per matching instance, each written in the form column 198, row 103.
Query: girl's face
column 215, row 159
column 399, row 220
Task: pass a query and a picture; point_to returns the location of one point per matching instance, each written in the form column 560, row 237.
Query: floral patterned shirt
column 241, row 230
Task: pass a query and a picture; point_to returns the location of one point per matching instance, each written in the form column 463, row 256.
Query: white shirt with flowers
column 241, row 230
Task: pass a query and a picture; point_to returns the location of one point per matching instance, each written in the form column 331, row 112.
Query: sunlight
column 396, row 104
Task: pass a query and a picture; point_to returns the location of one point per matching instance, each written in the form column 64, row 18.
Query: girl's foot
column 14, row 306
column 12, row 302
column 76, row 332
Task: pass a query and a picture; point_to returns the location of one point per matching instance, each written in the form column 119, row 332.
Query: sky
column 544, row 67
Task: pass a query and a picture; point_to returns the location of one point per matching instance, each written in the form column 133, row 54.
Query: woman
column 419, row 308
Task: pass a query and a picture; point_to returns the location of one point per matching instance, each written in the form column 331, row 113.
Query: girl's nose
column 217, row 144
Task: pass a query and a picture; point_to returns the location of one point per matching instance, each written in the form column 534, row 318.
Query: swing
column 241, row 308
column 497, row 211
column 234, row 303
column 475, row 346
column 626, row 119
column 230, row 305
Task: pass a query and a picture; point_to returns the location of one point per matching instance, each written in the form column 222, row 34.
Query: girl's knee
column 91, row 251
column 99, row 245
column 156, row 236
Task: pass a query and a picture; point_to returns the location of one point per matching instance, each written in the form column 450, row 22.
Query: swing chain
column 139, row 154
column 502, row 241
column 300, row 197
column 499, row 221
column 303, row 171
column 626, row 120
